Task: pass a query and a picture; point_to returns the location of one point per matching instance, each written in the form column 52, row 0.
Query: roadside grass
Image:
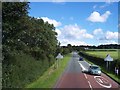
column 111, row 75
column 117, row 78
column 50, row 77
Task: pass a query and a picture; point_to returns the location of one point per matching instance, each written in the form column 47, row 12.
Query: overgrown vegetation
column 22, row 70
column 50, row 77
column 29, row 45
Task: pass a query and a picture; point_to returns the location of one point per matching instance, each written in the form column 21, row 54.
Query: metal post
column 57, row 63
column 107, row 65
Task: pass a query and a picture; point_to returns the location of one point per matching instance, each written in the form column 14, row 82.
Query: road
column 73, row 77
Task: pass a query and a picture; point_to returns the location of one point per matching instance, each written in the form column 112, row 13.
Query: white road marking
column 87, row 63
column 83, row 69
column 100, row 80
column 90, row 85
column 85, row 76
column 103, row 80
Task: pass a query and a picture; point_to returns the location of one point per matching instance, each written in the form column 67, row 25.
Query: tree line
column 108, row 46
column 24, row 33
column 29, row 45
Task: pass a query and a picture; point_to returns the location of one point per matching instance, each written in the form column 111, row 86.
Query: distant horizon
column 80, row 23
column 94, row 45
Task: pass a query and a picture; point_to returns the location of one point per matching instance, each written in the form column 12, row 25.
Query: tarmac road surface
column 73, row 77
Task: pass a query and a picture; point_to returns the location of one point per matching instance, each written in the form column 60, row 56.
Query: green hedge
column 21, row 69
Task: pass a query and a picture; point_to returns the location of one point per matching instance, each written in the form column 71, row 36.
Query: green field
column 102, row 54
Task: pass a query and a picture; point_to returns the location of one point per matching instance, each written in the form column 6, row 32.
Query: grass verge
column 49, row 78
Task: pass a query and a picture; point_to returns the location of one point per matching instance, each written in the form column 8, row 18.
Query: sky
column 80, row 23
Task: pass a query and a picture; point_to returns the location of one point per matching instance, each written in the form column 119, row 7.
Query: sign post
column 108, row 59
column 59, row 56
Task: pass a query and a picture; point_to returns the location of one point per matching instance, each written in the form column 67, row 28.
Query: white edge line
column 82, row 66
column 90, row 85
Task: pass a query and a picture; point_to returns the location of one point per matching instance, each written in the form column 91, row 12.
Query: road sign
column 59, row 56
column 108, row 58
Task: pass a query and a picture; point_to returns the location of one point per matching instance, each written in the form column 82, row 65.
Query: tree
column 69, row 47
column 13, row 14
column 27, row 35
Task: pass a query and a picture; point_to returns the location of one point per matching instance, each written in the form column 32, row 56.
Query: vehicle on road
column 94, row 69
column 81, row 59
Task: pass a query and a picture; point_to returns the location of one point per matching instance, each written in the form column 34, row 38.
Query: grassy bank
column 22, row 69
column 49, row 78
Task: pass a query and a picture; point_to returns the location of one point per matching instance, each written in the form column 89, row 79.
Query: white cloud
column 97, row 31
column 89, row 36
column 103, row 6
column 112, row 42
column 108, row 42
column 108, row 35
column 64, row 42
column 96, row 17
column 108, row 1
column 59, row 1
column 73, row 34
column 111, row 35
column 51, row 21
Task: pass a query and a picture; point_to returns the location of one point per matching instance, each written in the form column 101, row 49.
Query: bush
column 22, row 70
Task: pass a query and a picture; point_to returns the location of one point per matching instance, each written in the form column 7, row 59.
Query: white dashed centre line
column 90, row 85
column 85, row 76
